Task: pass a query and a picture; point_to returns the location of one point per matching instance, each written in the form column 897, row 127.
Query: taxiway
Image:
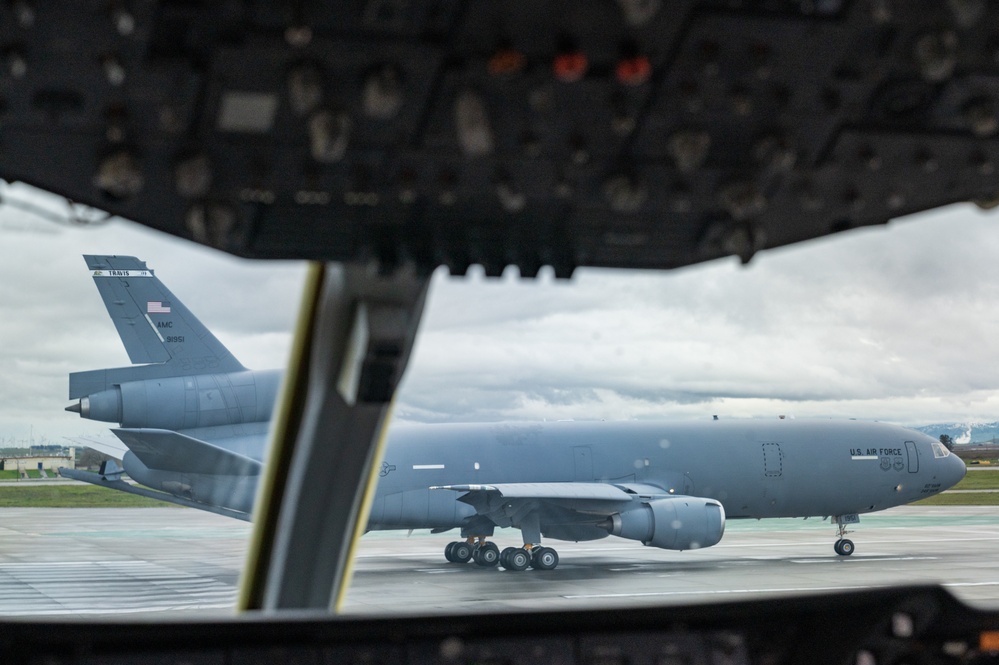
column 135, row 561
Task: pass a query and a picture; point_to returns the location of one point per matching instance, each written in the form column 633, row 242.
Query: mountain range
column 963, row 433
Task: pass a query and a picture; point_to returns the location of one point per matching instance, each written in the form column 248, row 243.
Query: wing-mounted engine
column 675, row 523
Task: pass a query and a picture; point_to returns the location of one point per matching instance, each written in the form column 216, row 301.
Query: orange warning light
column 633, row 71
column 570, row 67
column 506, row 61
column 988, row 640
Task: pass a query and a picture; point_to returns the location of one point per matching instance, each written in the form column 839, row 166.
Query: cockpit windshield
column 800, row 341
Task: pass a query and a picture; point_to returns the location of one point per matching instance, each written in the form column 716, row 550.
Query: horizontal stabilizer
column 165, row 450
column 584, row 491
column 122, row 486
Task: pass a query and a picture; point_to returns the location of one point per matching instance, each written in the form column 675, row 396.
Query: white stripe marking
column 868, row 557
column 121, row 273
column 153, row 326
column 948, row 584
column 423, row 467
column 874, row 457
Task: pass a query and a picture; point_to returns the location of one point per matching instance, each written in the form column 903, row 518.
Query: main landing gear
column 488, row 555
column 472, row 549
column 521, row 558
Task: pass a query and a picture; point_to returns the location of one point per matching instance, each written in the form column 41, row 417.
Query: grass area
column 88, row 496
column 979, row 481
column 73, row 496
column 970, row 499
column 9, row 474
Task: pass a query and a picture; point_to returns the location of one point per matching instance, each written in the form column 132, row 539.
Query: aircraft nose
column 956, row 469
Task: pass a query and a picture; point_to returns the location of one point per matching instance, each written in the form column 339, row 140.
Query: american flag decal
column 157, row 307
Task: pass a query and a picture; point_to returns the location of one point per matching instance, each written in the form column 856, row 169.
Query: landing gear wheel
column 844, row 547
column 447, row 552
column 518, row 559
column 544, row 558
column 461, row 552
column 486, row 555
column 504, row 554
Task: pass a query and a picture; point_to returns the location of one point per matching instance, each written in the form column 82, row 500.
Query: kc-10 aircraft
column 193, row 428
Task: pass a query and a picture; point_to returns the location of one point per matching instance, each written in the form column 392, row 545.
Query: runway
column 906, row 545
column 111, row 561
column 137, row 561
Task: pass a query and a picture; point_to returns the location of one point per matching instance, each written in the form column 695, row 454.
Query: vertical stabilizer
column 153, row 324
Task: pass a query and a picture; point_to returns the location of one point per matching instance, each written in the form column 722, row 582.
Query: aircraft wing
column 591, row 491
column 107, row 446
column 588, row 497
column 166, row 450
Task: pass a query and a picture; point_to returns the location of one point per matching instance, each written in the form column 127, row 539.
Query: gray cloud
column 892, row 323
column 897, row 324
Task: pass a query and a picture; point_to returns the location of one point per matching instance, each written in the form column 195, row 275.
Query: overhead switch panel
column 628, row 133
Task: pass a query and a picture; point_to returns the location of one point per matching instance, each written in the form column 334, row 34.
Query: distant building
column 25, row 463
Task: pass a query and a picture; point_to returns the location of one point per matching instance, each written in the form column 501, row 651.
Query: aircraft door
column 774, row 487
column 773, row 462
column 582, row 459
column 913, row 455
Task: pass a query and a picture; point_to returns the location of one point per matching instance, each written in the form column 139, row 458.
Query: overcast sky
column 897, row 324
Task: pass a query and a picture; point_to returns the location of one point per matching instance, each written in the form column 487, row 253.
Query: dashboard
column 879, row 627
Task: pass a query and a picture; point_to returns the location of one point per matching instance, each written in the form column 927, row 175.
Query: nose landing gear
column 844, row 546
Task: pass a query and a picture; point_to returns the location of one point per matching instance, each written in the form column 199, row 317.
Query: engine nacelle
column 680, row 523
column 105, row 406
column 184, row 402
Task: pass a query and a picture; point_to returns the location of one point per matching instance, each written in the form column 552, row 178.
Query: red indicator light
column 633, row 71
column 570, row 67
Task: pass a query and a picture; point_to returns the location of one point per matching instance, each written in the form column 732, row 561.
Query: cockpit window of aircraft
column 939, row 450
column 802, row 423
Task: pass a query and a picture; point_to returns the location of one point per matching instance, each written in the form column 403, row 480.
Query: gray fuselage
column 755, row 468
